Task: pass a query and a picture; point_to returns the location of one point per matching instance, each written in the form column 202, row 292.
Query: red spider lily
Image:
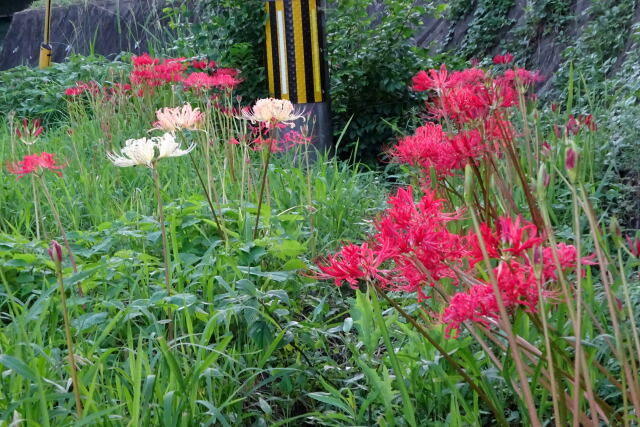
column 351, row 264
column 233, row 72
column 225, row 81
column 522, row 76
column 567, row 258
column 81, row 87
column 507, row 58
column 144, row 60
column 29, row 131
column 74, row 91
column 34, row 163
column 201, row 65
column 413, row 243
column 518, row 288
column 588, row 122
column 430, row 148
column 198, row 80
column 572, row 127
column 152, row 72
column 434, row 80
column 423, row 148
column 476, row 305
column 517, row 236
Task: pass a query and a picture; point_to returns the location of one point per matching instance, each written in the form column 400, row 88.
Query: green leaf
column 287, row 249
column 330, row 400
column 260, row 332
column 18, row 366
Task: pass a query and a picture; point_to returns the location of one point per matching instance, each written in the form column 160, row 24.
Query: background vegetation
column 258, row 340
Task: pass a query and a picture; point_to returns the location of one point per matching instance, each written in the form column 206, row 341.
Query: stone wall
column 105, row 27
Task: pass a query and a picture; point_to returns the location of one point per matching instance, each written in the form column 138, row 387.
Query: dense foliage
column 492, row 269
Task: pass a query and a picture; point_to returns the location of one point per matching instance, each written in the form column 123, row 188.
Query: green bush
column 228, row 31
column 372, row 57
column 39, row 93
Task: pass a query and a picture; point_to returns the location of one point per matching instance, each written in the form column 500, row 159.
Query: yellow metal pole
column 45, row 47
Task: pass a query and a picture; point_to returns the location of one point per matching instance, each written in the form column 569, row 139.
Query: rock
column 105, row 27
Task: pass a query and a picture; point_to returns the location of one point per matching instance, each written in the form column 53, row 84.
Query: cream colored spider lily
column 272, row 111
column 168, row 147
column 172, row 119
column 146, row 151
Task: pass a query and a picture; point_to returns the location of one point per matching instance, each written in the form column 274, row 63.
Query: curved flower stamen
column 146, row 151
column 272, row 111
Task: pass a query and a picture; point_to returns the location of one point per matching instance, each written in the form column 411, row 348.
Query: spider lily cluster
column 472, row 239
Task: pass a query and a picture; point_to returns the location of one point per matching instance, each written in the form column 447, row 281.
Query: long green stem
column 500, row 419
column 263, row 184
column 165, row 245
column 67, row 332
column 56, row 216
column 221, row 232
column 409, row 412
column 36, row 206
column 506, row 323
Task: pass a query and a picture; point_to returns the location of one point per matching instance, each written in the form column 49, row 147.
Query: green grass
column 257, row 340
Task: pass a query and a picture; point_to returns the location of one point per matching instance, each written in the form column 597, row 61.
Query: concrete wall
column 105, row 27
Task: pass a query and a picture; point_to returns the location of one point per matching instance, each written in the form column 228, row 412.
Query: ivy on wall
column 490, row 19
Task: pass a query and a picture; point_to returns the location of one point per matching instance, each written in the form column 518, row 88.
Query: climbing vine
column 489, row 21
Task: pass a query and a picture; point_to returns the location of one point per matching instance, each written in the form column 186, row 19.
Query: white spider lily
column 168, row 147
column 138, row 152
column 135, row 152
column 272, row 111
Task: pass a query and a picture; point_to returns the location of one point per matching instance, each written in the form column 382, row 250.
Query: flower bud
column 55, row 252
column 570, row 162
column 615, row 230
column 468, row 184
column 634, row 246
column 542, row 182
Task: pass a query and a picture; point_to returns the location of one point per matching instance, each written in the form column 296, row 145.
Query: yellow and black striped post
column 45, row 47
column 296, row 60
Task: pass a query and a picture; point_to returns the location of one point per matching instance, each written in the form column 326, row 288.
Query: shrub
column 40, row 93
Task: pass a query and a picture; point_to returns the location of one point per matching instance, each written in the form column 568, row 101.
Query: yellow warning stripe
column 299, row 49
column 270, row 70
column 315, row 51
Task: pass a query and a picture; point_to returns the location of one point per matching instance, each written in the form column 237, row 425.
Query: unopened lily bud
column 543, row 181
column 55, row 252
column 634, row 246
column 615, row 230
column 468, row 184
column 570, row 162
